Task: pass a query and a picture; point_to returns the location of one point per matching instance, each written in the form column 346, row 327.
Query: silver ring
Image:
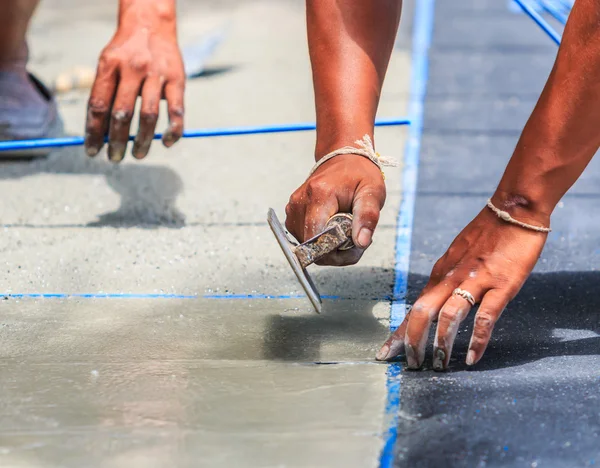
column 466, row 295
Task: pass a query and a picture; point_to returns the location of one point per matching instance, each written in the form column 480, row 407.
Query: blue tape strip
column 17, row 145
column 541, row 22
column 421, row 42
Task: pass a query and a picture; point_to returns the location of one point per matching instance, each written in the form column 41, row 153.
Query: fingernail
column 91, row 151
column 383, row 353
column 439, row 357
column 115, row 153
column 470, row 358
column 140, row 150
column 411, row 357
column 364, row 237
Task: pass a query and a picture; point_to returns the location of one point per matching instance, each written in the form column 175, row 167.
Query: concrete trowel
column 337, row 235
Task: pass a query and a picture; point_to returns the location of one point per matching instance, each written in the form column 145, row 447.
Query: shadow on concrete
column 555, row 314
column 148, row 193
column 349, row 321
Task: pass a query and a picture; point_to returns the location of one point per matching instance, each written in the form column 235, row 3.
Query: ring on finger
column 466, row 295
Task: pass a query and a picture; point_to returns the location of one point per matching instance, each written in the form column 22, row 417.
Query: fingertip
column 364, row 238
column 116, row 152
column 91, row 151
column 471, row 358
column 439, row 360
column 411, row 357
column 139, row 150
column 382, row 354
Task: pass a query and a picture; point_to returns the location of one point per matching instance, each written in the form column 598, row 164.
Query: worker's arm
column 142, row 58
column 491, row 258
column 350, row 44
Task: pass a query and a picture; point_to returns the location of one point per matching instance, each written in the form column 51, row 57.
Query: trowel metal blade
column 287, row 248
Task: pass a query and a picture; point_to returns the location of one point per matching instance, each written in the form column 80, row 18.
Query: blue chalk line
column 421, row 42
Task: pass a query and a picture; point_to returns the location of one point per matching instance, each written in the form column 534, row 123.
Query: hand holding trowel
column 345, row 184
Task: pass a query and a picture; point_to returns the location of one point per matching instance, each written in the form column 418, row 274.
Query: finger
column 174, row 91
column 366, row 208
column 99, row 105
column 452, row 314
column 394, row 345
column 294, row 215
column 423, row 313
column 151, row 92
column 121, row 115
column 318, row 212
column 490, row 310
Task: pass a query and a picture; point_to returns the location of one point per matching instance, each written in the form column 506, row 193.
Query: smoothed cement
column 154, row 383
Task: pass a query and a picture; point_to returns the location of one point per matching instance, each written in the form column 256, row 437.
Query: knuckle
column 139, row 64
column 296, row 199
column 484, row 321
column 97, row 107
column 176, row 111
column 107, row 61
column 121, row 115
column 148, row 117
column 316, row 188
column 448, row 314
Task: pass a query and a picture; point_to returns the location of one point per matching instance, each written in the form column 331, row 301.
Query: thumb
column 366, row 207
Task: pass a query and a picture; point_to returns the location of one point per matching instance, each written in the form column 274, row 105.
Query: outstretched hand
column 491, row 259
column 141, row 59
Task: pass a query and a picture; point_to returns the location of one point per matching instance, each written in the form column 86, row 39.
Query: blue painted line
column 264, row 296
column 95, row 296
column 541, row 22
column 16, row 145
column 421, row 42
column 179, row 296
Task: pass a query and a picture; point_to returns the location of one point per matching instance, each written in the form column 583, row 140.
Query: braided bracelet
column 365, row 149
column 505, row 216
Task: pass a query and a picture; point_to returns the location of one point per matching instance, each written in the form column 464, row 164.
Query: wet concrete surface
column 533, row 400
column 188, row 382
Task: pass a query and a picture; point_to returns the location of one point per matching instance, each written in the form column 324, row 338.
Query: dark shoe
column 27, row 111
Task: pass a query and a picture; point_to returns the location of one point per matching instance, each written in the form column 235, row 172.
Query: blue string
column 16, row 145
column 558, row 15
column 541, row 22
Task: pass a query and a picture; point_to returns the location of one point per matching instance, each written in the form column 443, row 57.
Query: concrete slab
column 197, row 381
column 179, row 383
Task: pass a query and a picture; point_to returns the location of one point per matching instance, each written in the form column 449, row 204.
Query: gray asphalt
column 534, row 399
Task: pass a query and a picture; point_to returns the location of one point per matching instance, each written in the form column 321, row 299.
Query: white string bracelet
column 505, row 216
column 365, row 149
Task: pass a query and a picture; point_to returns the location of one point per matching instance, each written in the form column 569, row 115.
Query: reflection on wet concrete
column 177, row 383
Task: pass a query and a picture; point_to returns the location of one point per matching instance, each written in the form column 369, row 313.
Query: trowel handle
column 336, row 236
column 344, row 221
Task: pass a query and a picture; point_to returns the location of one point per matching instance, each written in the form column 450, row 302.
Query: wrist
column 523, row 206
column 153, row 14
column 331, row 139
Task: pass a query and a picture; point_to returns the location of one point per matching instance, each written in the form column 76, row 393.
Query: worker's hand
column 141, row 59
column 347, row 184
column 491, row 259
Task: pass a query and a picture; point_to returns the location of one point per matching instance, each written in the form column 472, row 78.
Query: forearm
column 562, row 134
column 350, row 44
